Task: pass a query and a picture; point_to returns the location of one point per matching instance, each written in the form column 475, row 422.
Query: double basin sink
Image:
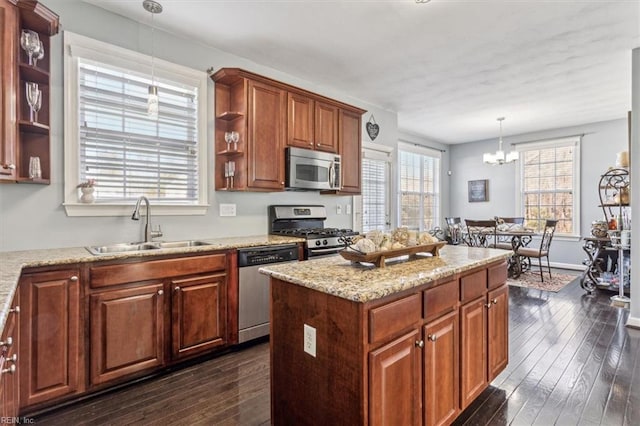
column 133, row 247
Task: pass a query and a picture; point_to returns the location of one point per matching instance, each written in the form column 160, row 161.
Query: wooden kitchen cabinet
column 127, row 331
column 395, row 384
column 199, row 313
column 51, row 341
column 350, row 143
column 268, row 116
column 9, row 342
column 498, row 331
column 22, row 137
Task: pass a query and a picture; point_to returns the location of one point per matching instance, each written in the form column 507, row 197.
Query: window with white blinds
column 375, row 190
column 125, row 151
column 419, row 187
column 109, row 137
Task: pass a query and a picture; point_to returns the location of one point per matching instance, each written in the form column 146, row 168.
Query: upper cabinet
column 257, row 118
column 24, row 111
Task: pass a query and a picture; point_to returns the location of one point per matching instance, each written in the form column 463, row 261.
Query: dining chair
column 543, row 250
column 504, row 223
column 480, row 232
column 454, row 229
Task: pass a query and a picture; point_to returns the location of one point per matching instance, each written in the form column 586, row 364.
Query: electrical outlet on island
column 310, row 340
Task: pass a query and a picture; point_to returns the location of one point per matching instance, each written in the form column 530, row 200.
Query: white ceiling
column 448, row 68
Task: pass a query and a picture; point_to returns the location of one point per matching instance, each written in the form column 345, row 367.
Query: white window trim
column 79, row 46
column 382, row 153
column 567, row 141
column 422, row 150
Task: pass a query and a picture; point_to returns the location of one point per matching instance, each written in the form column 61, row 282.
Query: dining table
column 518, row 238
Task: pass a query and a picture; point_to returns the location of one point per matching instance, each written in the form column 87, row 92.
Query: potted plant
column 87, row 188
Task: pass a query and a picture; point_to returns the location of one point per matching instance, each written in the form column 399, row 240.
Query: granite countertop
column 362, row 283
column 13, row 262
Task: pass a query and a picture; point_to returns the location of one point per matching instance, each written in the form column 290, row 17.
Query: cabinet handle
column 8, row 342
column 9, row 166
column 160, row 292
column 318, row 144
column 176, row 288
column 432, row 337
column 10, row 370
column 73, row 278
column 488, row 305
column 311, row 143
column 494, row 301
column 13, row 358
column 15, row 310
column 420, row 343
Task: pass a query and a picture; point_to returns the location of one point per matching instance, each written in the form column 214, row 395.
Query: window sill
column 100, row 209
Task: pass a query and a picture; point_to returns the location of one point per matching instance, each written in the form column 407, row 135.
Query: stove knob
column 325, row 242
column 318, row 242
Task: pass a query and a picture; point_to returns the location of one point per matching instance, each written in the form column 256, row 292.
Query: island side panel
column 327, row 388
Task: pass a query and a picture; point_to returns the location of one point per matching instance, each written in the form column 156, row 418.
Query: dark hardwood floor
column 572, row 362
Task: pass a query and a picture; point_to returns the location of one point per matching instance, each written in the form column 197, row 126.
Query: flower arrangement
column 89, row 183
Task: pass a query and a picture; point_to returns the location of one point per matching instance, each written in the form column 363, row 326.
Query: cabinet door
column 265, row 143
column 326, row 127
column 441, row 367
column 300, row 121
column 395, row 388
column 8, row 352
column 473, row 350
column 50, row 338
column 8, row 49
column 350, row 151
column 199, row 314
column 127, row 331
column 498, row 329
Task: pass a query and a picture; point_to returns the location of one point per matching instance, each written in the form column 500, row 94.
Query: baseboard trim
column 633, row 322
column 567, row 266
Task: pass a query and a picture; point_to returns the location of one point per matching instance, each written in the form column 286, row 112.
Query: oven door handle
column 325, row 250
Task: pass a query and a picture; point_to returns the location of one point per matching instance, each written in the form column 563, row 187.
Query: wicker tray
column 378, row 258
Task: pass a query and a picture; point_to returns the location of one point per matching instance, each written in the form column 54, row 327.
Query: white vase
column 87, row 195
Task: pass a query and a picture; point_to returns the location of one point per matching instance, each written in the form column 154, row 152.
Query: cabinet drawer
column 108, row 275
column 473, row 285
column 394, row 318
column 441, row 299
column 497, row 275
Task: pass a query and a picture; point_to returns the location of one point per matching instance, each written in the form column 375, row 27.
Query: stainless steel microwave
column 312, row 170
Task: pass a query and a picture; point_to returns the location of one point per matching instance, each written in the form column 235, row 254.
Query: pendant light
column 152, row 7
column 499, row 157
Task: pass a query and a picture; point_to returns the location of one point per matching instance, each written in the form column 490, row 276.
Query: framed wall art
column 478, row 190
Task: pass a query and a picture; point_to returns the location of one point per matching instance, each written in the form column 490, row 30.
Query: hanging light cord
column 153, row 49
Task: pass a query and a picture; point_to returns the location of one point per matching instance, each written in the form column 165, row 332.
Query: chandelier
column 499, row 157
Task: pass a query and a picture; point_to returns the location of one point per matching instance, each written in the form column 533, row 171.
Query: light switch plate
column 348, row 208
column 310, row 340
column 227, row 209
column 338, row 209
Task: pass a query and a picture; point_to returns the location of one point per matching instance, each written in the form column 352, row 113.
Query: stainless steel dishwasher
column 253, row 303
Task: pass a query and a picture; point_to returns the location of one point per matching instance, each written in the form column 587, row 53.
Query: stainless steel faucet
column 149, row 233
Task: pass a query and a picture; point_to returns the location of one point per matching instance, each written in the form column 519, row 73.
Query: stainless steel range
column 307, row 221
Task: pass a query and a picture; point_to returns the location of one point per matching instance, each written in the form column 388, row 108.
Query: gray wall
column 32, row 216
column 598, row 150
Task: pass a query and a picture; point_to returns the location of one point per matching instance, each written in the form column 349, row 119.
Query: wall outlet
column 227, row 209
column 348, row 208
column 339, row 209
column 310, row 340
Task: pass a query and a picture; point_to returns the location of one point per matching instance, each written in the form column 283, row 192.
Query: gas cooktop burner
column 316, row 232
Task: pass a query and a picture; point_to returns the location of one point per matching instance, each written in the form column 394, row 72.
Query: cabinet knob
column 160, row 292
column 420, row 343
column 9, row 166
column 488, row 305
column 10, row 370
column 73, row 278
column 494, row 301
column 311, row 143
column 318, row 144
column 15, row 310
column 176, row 288
column 432, row 337
column 13, row 358
column 8, row 342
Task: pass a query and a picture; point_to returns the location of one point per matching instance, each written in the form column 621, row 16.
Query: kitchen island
column 412, row 343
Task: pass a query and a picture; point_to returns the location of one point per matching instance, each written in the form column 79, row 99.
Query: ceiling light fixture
column 423, row 1
column 499, row 158
column 152, row 7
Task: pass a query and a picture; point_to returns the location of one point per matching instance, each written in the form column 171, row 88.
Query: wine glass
column 235, row 137
column 34, row 99
column 228, row 138
column 30, row 42
column 38, row 54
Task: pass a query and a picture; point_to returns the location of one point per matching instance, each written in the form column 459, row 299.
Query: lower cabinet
column 199, row 312
column 9, row 362
column 127, row 331
column 498, row 330
column 394, row 372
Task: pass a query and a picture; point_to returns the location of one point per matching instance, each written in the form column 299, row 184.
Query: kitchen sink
column 129, row 247
column 179, row 244
column 122, row 248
